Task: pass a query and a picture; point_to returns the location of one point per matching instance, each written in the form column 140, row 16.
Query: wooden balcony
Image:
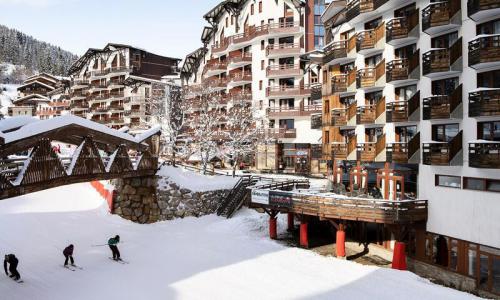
column 340, row 150
column 442, row 153
column 404, row 69
column 484, row 103
column 368, row 114
column 484, row 154
column 281, row 133
column 371, row 77
column 218, row 83
column 404, row 153
column 372, row 40
column 343, row 83
column 220, row 46
column 436, row 62
column 370, row 152
column 276, row 50
column 481, row 9
column 239, row 58
column 245, row 96
column 240, row 78
column 357, row 7
column 442, row 107
column 484, row 52
column 301, row 110
column 338, row 117
column 339, row 51
column 316, row 121
column 288, row 91
column 214, row 67
column 287, row 70
column 399, row 30
column 440, row 16
column 403, row 111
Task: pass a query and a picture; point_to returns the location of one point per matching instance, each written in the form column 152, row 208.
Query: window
column 252, row 9
column 260, row 6
column 232, row 20
column 482, row 184
column 448, row 181
column 260, row 85
column 444, row 132
column 489, row 131
column 488, row 79
column 491, row 27
column 262, row 45
column 319, row 29
column 262, row 64
column 227, row 22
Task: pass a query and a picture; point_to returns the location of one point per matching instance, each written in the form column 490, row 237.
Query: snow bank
column 7, row 96
column 194, row 181
column 191, row 258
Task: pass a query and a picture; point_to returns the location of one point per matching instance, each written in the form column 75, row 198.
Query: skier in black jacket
column 68, row 254
column 12, row 261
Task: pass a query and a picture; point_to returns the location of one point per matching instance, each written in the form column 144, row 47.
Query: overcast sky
column 166, row 27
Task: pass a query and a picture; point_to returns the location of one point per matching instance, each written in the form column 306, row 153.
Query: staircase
column 235, row 199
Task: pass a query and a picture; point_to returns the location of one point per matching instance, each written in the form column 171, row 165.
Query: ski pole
column 99, row 245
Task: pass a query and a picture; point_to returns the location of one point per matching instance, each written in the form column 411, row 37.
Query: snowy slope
column 194, row 181
column 206, row 258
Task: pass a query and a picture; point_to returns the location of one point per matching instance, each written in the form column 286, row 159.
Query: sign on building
column 260, row 196
column 282, row 199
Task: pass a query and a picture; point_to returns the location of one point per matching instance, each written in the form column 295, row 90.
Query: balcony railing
column 218, row 83
column 400, row 28
column 240, row 58
column 439, row 13
column 287, row 90
column 368, row 39
column 401, row 111
column 283, row 49
column 368, row 77
column 403, row 152
column 340, row 49
column 281, row 133
column 484, row 103
column 442, row 107
column 241, row 96
column 484, row 154
column 241, row 77
column 368, row 152
column 338, row 117
column 442, row 153
column 301, row 110
column 484, row 50
column 284, row 70
column 356, row 7
column 475, row 6
column 216, row 65
column 401, row 69
column 441, row 60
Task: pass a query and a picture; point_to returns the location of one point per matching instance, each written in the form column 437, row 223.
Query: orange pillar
column 290, row 221
column 273, row 228
column 340, row 243
column 304, row 240
column 399, row 256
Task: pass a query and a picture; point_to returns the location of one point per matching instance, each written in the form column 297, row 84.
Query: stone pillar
column 136, row 199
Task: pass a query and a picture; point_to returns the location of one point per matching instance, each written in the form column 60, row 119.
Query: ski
column 121, row 261
column 77, row 267
column 18, row 281
column 68, row 268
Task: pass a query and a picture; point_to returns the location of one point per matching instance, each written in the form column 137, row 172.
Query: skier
column 112, row 242
column 12, row 261
column 68, row 254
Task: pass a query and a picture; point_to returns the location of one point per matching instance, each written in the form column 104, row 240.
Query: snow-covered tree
column 204, row 132
column 242, row 133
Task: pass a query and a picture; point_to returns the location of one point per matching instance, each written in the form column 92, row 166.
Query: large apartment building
column 252, row 52
column 41, row 96
column 114, row 85
column 411, row 94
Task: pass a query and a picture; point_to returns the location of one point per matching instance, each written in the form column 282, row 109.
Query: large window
column 444, row 132
column 482, row 184
column 449, row 181
column 489, row 131
column 319, row 29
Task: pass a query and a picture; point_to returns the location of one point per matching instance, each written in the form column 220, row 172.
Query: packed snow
column 205, row 258
column 7, row 95
column 193, row 181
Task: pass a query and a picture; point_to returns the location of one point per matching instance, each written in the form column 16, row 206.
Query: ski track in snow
column 205, row 258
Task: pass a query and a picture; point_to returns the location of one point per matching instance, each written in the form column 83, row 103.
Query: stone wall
column 140, row 200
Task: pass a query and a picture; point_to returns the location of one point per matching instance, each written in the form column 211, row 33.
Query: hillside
column 31, row 55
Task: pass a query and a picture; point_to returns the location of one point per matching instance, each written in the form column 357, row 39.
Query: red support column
column 290, row 221
column 399, row 256
column 273, row 228
column 304, row 240
column 340, row 243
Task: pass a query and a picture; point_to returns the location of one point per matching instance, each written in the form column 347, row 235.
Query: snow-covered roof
column 148, row 133
column 37, row 97
column 8, row 124
column 36, row 81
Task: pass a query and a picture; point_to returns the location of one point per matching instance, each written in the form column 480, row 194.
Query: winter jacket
column 12, row 261
column 113, row 241
column 68, row 251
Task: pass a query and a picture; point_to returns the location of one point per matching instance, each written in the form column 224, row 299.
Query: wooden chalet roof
column 33, row 97
column 192, row 61
column 34, row 83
